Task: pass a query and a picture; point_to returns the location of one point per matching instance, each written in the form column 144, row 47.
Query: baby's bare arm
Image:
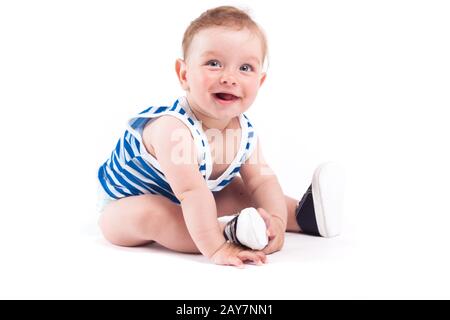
column 263, row 185
column 176, row 153
column 266, row 193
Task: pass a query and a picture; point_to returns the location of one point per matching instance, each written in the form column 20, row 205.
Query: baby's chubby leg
column 138, row 220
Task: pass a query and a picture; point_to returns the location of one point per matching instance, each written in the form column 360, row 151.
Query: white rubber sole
column 328, row 191
column 251, row 229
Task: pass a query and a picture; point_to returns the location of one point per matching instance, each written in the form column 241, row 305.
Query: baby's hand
column 275, row 231
column 231, row 254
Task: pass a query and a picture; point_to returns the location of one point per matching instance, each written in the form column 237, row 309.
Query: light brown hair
column 224, row 16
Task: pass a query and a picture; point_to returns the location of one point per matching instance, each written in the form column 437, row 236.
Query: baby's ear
column 180, row 69
column 263, row 78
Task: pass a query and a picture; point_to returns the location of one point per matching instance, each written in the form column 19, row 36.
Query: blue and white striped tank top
column 132, row 170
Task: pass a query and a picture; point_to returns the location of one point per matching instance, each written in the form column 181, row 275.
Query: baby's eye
column 246, row 68
column 213, row 63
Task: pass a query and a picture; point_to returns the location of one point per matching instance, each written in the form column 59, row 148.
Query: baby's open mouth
column 225, row 96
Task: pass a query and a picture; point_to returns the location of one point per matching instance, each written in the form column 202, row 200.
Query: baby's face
column 223, row 71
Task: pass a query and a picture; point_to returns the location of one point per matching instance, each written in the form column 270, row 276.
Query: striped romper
column 131, row 170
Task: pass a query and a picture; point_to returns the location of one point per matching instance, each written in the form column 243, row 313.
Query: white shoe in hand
column 248, row 229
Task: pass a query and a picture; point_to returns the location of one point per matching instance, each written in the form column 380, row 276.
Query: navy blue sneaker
column 319, row 211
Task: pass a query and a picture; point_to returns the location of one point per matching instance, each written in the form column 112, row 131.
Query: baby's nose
column 228, row 79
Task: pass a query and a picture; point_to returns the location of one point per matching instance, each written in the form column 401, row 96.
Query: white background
column 365, row 83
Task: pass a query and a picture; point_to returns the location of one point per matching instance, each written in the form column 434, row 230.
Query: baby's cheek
column 207, row 81
column 252, row 88
column 250, row 95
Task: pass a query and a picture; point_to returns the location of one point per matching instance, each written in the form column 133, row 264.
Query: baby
column 178, row 168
